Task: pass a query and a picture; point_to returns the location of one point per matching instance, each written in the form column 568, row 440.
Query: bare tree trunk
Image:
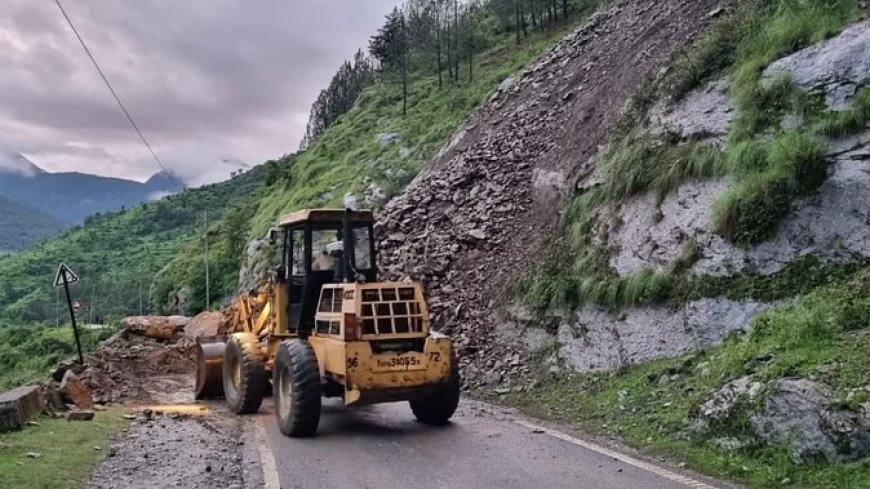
column 456, row 38
column 470, row 44
column 517, row 11
column 438, row 55
column 449, row 50
column 523, row 19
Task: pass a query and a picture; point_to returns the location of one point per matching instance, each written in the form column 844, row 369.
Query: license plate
column 398, row 363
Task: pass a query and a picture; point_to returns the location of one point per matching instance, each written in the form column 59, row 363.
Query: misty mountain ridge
column 71, row 197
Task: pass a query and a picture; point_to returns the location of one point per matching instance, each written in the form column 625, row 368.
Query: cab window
column 297, row 239
column 362, row 248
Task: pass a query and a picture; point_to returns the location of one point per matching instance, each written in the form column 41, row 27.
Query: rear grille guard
column 391, row 310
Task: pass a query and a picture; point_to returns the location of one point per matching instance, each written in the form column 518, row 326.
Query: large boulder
column 159, row 327
column 74, row 391
column 19, row 406
column 799, row 412
column 205, row 324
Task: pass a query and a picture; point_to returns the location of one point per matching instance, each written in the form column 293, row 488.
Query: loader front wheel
column 244, row 374
column 297, row 391
column 437, row 407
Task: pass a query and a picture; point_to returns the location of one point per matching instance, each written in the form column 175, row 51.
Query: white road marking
column 267, row 458
column 687, row 481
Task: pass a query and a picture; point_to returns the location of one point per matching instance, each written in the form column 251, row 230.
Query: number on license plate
column 398, row 363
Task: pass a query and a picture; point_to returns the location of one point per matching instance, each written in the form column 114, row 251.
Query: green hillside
column 117, row 255
column 21, row 226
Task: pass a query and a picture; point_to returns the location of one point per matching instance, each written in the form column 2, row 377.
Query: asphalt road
column 383, row 447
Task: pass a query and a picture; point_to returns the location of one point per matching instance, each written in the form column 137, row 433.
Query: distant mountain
column 71, row 197
column 21, row 226
column 17, row 164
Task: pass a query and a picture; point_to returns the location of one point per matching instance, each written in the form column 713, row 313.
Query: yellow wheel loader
column 321, row 325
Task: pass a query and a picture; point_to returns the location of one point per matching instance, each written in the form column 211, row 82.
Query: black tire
column 297, row 390
column 244, row 374
column 437, row 407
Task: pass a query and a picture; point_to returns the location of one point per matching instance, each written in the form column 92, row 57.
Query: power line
column 109, row 86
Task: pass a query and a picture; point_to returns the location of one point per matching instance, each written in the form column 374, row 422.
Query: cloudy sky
column 206, row 80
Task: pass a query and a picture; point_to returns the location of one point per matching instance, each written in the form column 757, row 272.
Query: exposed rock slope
column 832, row 226
column 475, row 217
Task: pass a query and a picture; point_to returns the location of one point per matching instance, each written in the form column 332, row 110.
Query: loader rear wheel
column 438, row 406
column 296, row 383
column 244, row 374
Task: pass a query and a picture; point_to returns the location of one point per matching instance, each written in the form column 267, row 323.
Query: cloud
column 12, row 162
column 204, row 79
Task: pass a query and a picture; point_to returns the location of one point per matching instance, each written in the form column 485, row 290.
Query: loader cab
column 323, row 246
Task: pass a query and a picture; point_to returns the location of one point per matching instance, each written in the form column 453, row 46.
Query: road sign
column 65, row 276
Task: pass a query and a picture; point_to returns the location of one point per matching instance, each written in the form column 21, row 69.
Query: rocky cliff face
column 833, row 225
column 475, row 218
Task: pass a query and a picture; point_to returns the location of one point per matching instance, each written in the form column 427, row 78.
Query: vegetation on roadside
column 825, row 335
column 67, row 451
column 29, row 353
column 770, row 162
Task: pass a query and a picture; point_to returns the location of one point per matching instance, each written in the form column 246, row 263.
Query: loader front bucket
column 209, row 372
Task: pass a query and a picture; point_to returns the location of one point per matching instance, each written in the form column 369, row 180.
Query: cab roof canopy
column 324, row 215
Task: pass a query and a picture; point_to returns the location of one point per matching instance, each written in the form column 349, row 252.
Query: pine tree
column 390, row 47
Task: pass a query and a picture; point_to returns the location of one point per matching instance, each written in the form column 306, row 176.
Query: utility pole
column 207, row 291
column 140, row 294
column 91, row 304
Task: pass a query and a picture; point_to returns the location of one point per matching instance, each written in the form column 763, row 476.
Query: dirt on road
column 182, row 445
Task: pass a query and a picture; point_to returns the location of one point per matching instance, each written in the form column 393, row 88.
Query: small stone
column 715, row 12
column 477, row 234
column 33, row 455
column 84, row 415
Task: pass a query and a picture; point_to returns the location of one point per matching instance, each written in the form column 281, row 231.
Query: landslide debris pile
column 474, row 219
column 151, row 360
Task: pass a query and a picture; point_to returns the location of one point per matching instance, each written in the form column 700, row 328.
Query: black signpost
column 65, row 277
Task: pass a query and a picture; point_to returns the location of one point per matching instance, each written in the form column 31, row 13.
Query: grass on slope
column 68, row 450
column 349, row 151
column 825, row 335
column 771, row 165
column 29, row 353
